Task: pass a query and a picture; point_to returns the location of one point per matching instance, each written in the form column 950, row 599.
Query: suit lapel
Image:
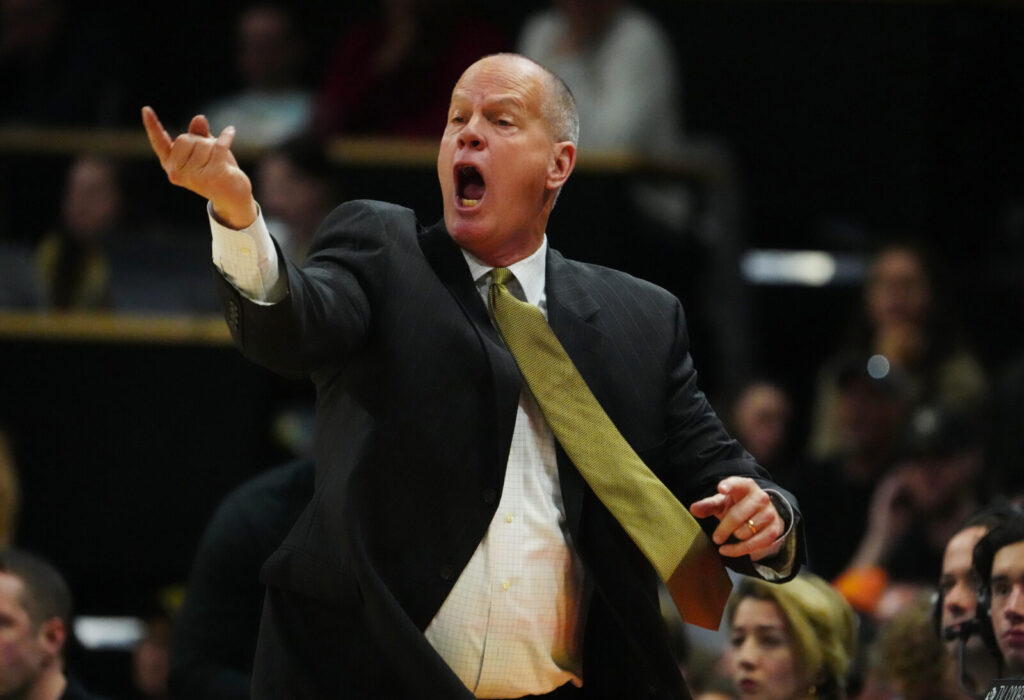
column 571, row 313
column 448, row 262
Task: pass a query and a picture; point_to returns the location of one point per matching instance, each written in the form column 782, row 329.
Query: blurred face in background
column 269, row 54
column 760, row 418
column 92, row 199
column 287, row 192
column 898, row 290
column 26, row 649
column 764, row 664
column 868, row 418
column 958, row 583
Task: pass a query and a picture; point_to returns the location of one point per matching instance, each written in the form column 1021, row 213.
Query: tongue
column 473, row 190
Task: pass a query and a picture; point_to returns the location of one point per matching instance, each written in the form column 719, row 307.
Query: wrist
column 235, row 216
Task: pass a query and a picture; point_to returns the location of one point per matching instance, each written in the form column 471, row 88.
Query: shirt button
column 509, row 518
column 505, row 585
column 490, row 495
column 447, row 572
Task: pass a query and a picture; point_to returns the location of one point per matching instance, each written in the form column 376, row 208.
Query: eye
column 736, row 640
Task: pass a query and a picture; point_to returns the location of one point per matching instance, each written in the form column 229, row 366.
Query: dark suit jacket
column 416, row 400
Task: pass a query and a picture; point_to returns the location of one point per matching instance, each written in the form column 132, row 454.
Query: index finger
column 737, row 487
column 712, row 505
column 159, row 139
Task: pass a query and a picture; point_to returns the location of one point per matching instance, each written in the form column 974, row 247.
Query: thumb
column 226, row 137
column 199, row 126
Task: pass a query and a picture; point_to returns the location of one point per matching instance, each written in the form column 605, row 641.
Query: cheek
column 783, row 673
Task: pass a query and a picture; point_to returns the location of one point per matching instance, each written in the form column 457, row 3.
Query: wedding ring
column 752, row 526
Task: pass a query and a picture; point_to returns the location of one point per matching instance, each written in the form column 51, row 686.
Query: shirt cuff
column 248, row 259
column 780, row 566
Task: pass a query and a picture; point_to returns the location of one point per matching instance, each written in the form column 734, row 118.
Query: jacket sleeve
column 701, row 452
column 327, row 313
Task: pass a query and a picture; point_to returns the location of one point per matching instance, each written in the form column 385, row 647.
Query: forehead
column 960, row 550
column 1009, row 561
column 501, row 78
column 754, row 612
column 11, row 589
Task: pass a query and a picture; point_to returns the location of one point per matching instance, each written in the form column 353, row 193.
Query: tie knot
column 501, row 275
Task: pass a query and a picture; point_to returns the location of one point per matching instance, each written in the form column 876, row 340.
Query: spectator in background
column 35, row 606
column 759, row 416
column 958, row 601
column 390, row 75
column 297, row 187
column 272, row 104
column 10, row 493
column 621, row 68
column 836, row 491
column 919, row 505
column 790, row 641
column 89, row 261
column 215, row 636
column 904, row 327
column 72, row 262
column 999, row 561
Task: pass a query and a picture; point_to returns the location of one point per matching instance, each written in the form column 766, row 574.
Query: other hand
column 746, row 513
column 205, row 165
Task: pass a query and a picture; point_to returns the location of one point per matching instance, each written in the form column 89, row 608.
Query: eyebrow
column 761, row 628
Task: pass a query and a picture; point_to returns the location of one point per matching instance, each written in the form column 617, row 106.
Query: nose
column 959, row 602
column 1014, row 610
column 470, row 136
column 746, row 654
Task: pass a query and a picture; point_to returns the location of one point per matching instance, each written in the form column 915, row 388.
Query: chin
column 466, row 233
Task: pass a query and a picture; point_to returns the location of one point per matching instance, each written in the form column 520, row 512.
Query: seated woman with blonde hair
column 790, row 641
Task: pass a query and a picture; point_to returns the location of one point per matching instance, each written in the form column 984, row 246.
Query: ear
column 562, row 163
column 52, row 635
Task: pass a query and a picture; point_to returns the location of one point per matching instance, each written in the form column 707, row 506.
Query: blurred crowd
column 902, row 457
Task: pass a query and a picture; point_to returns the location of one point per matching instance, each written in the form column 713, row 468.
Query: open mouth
column 469, row 185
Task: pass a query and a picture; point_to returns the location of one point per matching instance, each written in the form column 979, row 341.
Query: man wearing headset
column 999, row 561
column 956, row 607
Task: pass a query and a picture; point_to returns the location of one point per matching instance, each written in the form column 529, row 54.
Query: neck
column 505, row 257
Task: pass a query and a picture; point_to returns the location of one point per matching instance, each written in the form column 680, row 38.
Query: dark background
column 850, row 123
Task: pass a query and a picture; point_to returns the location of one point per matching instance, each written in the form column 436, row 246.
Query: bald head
column 558, row 106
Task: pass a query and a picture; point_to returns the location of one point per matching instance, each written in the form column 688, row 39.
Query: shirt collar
column 529, row 272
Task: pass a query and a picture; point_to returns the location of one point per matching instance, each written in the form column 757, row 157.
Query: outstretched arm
column 205, row 165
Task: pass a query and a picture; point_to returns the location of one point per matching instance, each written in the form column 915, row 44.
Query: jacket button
column 447, row 572
column 490, row 495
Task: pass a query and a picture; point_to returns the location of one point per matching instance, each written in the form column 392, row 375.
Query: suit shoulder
column 599, row 275
column 367, row 223
column 363, row 209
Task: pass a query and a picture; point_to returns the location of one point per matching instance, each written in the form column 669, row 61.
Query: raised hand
column 745, row 512
column 205, row 165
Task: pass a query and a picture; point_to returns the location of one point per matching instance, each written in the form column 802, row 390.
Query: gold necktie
column 655, row 520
